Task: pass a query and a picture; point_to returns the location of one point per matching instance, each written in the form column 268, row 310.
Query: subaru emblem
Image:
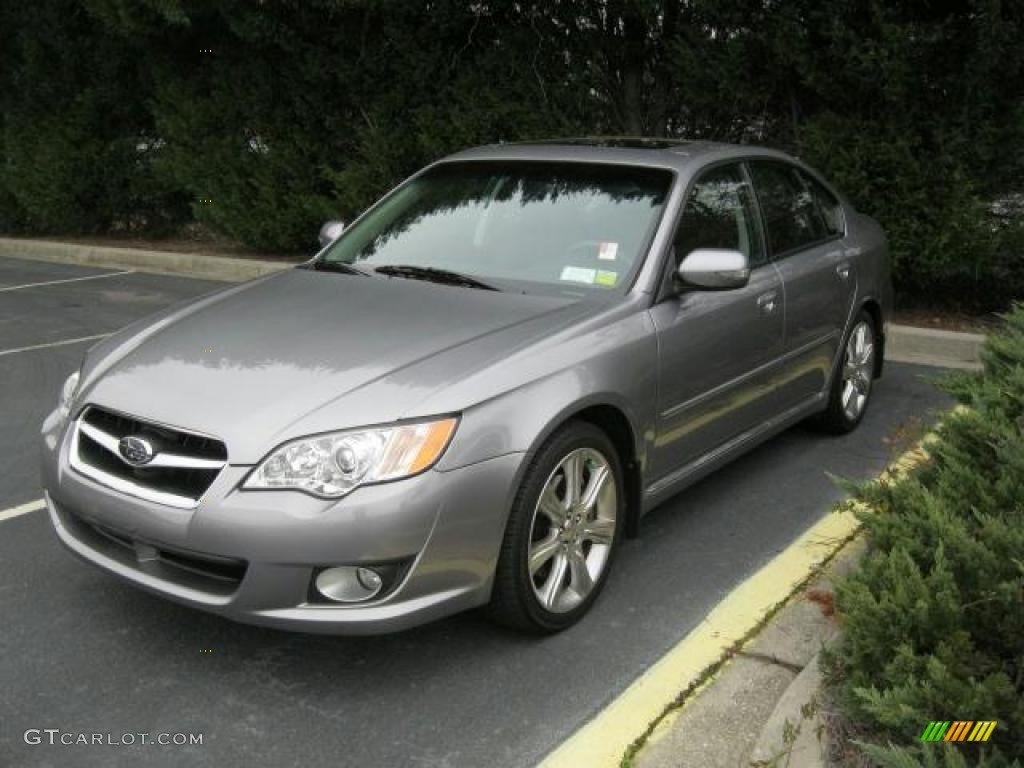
column 135, row 450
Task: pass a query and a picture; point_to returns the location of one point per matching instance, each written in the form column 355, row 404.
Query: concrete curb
column 763, row 709
column 931, row 346
column 794, row 733
column 198, row 265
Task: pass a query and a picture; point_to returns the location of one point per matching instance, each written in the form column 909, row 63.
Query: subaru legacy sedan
column 471, row 395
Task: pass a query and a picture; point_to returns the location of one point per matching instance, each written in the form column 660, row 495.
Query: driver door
column 716, row 347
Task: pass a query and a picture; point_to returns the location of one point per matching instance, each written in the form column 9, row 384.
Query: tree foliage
column 260, row 119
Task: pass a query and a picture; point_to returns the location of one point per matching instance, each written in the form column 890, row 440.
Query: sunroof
column 621, row 142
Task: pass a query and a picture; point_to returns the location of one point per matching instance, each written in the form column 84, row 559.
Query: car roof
column 672, row 154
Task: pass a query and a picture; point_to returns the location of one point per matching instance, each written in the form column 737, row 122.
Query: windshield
column 570, row 225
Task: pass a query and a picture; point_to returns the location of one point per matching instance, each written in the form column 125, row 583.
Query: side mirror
column 330, row 232
column 714, row 269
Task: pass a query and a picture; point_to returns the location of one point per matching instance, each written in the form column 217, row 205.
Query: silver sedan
column 470, row 395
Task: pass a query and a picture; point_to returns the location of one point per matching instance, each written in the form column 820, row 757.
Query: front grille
column 182, row 468
column 173, row 440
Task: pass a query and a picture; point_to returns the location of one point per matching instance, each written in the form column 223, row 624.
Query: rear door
column 716, row 348
column 804, row 229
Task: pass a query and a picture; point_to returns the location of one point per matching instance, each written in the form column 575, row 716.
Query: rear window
column 830, row 208
column 792, row 217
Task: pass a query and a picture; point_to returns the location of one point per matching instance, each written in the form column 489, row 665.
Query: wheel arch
column 612, row 419
column 874, row 309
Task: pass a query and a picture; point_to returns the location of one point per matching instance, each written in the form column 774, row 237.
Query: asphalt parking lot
column 81, row 652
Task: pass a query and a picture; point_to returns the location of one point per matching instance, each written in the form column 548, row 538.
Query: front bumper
column 251, row 555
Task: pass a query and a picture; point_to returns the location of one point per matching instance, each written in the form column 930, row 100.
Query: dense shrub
column 934, row 619
column 938, row 756
column 949, row 247
column 78, row 151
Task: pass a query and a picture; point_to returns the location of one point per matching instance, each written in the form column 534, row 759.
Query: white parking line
column 22, row 509
column 67, row 280
column 63, row 343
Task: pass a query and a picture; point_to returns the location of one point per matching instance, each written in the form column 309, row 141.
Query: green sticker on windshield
column 606, row 277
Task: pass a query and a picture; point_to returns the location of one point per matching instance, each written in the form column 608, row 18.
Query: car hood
column 257, row 364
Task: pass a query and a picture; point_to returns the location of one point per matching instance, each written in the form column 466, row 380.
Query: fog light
column 370, row 579
column 349, row 584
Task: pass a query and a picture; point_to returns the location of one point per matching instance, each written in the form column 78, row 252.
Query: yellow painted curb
column 604, row 740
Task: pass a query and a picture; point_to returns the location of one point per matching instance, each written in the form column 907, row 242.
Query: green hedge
column 933, row 621
column 78, row 154
column 949, row 246
column 942, row 755
column 261, row 119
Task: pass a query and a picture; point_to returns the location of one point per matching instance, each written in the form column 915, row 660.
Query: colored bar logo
column 958, row 730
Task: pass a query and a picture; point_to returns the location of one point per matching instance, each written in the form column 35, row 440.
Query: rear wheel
column 562, row 532
column 852, row 384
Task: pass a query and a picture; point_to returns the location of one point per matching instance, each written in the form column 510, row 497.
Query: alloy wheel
column 858, row 371
column 573, row 530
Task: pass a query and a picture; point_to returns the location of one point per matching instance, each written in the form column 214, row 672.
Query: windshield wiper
column 433, row 274
column 339, row 266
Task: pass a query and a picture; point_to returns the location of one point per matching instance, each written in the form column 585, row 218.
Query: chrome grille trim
column 160, row 461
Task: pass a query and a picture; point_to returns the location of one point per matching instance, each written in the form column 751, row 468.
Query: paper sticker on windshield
column 606, row 277
column 579, row 274
column 607, row 251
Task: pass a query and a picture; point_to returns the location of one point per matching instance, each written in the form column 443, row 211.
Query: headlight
column 332, row 465
column 67, row 395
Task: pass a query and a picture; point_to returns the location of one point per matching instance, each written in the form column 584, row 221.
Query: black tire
column 836, row 419
column 513, row 600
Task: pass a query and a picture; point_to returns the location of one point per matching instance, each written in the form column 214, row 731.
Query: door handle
column 767, row 302
column 843, row 270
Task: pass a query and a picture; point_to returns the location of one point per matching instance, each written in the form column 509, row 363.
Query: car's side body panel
column 817, row 302
column 609, row 360
column 819, row 306
column 868, row 249
column 706, row 397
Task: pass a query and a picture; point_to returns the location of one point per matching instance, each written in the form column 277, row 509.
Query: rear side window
column 719, row 213
column 792, row 218
column 831, row 210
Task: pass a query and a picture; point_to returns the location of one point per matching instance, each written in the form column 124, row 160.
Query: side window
column 791, row 217
column 719, row 213
column 831, row 210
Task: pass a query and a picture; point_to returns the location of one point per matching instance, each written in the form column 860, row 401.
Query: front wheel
column 852, row 384
column 565, row 523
